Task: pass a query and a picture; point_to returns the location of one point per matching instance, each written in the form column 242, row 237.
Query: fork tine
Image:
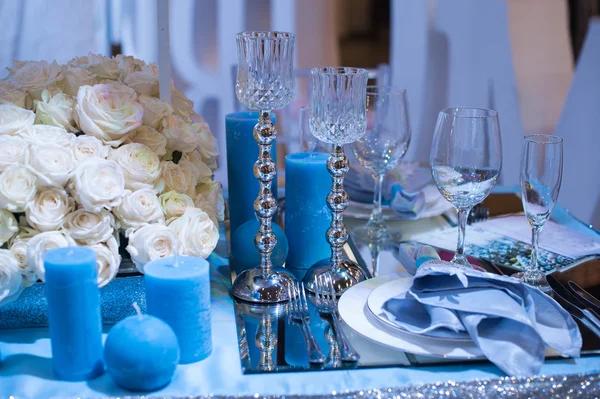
column 331, row 289
column 316, row 288
column 292, row 298
column 304, row 301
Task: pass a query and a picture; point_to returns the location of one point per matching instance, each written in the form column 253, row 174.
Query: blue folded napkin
column 411, row 256
column 359, row 186
column 511, row 322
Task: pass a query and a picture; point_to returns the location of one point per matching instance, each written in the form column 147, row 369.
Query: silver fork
column 298, row 313
column 326, row 304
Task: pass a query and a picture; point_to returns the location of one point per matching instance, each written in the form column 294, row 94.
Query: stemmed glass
column 541, row 176
column 379, row 150
column 466, row 158
column 265, row 81
column 337, row 116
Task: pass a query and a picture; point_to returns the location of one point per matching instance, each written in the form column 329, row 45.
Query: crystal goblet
column 338, row 116
column 265, row 81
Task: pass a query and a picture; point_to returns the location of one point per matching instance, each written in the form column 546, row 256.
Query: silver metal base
column 349, row 274
column 252, row 286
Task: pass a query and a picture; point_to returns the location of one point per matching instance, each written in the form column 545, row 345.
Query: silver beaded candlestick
column 338, row 116
column 265, row 81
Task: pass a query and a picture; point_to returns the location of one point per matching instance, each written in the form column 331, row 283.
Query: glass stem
column 463, row 214
column 377, row 214
column 532, row 270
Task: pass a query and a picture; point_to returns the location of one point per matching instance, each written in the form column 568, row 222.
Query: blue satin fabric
column 26, row 368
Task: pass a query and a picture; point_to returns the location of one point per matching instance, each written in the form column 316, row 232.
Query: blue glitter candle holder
column 116, row 298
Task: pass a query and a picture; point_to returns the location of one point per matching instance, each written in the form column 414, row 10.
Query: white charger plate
column 380, row 295
column 355, row 313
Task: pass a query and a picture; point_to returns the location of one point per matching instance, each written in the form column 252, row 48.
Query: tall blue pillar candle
column 179, row 294
column 242, row 153
column 307, row 217
column 74, row 313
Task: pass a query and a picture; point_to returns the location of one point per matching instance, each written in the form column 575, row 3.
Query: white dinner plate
column 380, row 295
column 354, row 311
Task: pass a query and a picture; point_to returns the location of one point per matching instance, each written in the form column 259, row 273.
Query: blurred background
column 535, row 61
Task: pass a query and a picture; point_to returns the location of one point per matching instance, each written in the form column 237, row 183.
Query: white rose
column 174, row 204
column 8, row 226
column 140, row 165
column 48, row 209
column 154, row 111
column 202, row 171
column 10, row 94
column 52, row 163
column 107, row 261
column 204, row 205
column 39, row 244
column 192, row 176
column 45, row 134
column 143, row 81
column 139, row 208
column 18, row 248
column 75, row 77
column 181, row 136
column 14, row 119
column 55, row 109
column 208, row 144
column 152, row 139
column 197, row 234
column 10, row 277
column 172, row 178
column 88, row 228
column 213, row 194
column 108, row 112
column 182, row 105
column 99, row 65
column 85, row 147
column 98, row 184
column 151, row 242
column 127, row 63
column 17, row 188
column 13, row 151
column 35, row 76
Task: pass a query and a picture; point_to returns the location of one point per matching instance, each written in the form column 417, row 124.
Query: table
column 26, row 369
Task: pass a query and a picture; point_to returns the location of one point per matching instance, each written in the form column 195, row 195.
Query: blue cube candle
column 242, row 153
column 74, row 313
column 141, row 353
column 179, row 294
column 307, row 216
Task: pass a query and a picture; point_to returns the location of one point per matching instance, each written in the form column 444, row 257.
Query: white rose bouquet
column 90, row 156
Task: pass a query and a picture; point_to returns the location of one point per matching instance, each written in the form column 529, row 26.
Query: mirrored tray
column 268, row 343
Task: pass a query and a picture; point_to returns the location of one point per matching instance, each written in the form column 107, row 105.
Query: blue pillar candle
column 242, row 153
column 244, row 254
column 307, row 217
column 74, row 313
column 180, row 296
column 141, row 353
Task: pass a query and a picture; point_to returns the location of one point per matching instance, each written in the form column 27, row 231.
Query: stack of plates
column 361, row 309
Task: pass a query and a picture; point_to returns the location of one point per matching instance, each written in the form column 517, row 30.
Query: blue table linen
column 511, row 322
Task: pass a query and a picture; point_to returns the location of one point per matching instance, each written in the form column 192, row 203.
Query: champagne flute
column 541, row 176
column 379, row 150
column 466, row 158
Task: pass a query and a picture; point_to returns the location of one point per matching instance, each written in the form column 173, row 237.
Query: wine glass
column 541, row 176
column 379, row 150
column 265, row 81
column 337, row 116
column 466, row 158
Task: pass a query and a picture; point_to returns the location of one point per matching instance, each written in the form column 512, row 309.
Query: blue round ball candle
column 244, row 254
column 141, row 353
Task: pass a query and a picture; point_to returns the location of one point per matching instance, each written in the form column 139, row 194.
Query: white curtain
column 51, row 30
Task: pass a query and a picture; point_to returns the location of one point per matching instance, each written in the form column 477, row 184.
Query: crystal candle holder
column 265, row 81
column 338, row 116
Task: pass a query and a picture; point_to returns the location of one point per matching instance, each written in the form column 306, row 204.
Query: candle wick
column 137, row 309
